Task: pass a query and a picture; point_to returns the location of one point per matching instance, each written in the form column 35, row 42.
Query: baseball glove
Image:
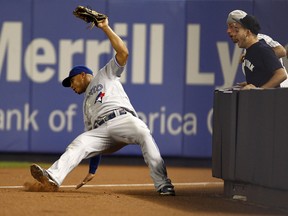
column 89, row 15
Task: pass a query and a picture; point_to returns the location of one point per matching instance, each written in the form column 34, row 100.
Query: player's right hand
column 88, row 178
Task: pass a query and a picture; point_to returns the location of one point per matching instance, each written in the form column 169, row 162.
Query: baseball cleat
column 167, row 191
column 43, row 177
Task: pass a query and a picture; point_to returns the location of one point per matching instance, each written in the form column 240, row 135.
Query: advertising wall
column 179, row 54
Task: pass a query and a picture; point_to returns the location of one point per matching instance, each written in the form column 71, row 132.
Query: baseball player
column 275, row 45
column 110, row 122
column 262, row 67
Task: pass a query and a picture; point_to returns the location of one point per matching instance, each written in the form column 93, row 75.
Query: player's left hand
column 88, row 178
column 103, row 23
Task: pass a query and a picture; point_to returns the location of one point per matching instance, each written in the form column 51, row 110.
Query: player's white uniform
column 272, row 44
column 103, row 96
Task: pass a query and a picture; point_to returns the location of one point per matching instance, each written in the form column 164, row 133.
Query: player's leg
column 130, row 129
column 84, row 146
column 156, row 164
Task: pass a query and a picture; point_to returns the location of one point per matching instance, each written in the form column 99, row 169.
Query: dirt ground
column 123, row 190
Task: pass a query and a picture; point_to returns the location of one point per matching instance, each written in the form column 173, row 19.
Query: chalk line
column 193, row 184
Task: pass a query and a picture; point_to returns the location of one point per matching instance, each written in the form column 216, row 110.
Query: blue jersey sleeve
column 94, row 162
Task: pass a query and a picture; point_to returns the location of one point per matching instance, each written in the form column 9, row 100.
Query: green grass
column 12, row 164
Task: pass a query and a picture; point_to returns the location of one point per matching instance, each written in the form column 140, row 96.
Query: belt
column 110, row 116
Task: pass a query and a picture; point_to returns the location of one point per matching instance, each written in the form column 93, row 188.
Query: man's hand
column 248, row 87
column 103, row 23
column 241, row 84
column 88, row 178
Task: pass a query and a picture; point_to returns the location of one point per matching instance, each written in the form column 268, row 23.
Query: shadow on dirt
column 203, row 202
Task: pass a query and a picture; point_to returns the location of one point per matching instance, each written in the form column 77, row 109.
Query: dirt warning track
column 122, row 190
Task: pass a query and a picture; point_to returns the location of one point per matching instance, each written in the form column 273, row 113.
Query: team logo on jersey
column 95, row 89
column 99, row 97
column 248, row 64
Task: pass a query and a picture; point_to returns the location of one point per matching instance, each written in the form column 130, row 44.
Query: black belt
column 111, row 116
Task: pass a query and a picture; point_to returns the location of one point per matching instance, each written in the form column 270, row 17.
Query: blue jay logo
column 99, row 97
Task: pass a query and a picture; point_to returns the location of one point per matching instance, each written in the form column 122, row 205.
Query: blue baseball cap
column 75, row 71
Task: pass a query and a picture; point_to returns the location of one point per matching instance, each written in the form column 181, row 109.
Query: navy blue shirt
column 260, row 63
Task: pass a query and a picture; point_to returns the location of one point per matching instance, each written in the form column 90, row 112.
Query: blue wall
column 179, row 53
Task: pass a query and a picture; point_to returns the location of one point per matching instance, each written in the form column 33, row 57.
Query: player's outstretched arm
column 116, row 42
column 101, row 21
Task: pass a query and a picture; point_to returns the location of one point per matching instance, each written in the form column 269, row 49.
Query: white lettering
column 190, row 124
column 41, row 55
column 173, row 123
column 11, row 43
column 177, row 117
column 25, row 121
column 94, row 50
column 193, row 75
column 58, row 119
column 152, row 118
column 61, row 122
column 29, row 119
column 138, row 54
column 156, row 54
column 248, row 64
column 70, row 113
column 33, row 57
column 67, row 50
column 210, row 121
column 17, row 114
column 162, row 120
column 229, row 67
column 2, row 120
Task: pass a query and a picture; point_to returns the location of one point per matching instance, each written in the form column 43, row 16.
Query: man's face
column 231, row 31
column 241, row 35
column 77, row 83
